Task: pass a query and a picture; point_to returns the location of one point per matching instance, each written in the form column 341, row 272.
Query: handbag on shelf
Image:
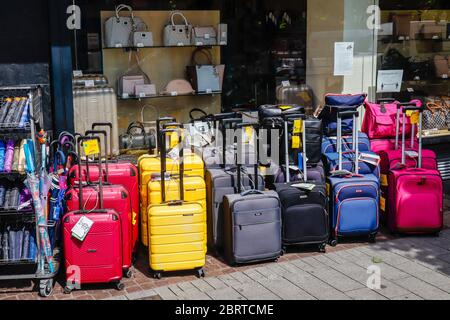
column 119, row 30
column 402, row 24
column 177, row 34
column 436, row 116
column 205, row 78
column 419, row 69
column 441, row 64
column 140, row 140
column 204, row 36
column 178, row 87
column 135, row 82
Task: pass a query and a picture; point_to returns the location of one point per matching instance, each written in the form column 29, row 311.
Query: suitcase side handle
column 250, row 192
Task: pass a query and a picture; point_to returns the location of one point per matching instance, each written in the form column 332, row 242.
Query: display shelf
column 16, row 212
column 162, row 47
column 169, row 96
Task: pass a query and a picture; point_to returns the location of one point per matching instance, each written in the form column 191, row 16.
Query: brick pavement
column 412, row 268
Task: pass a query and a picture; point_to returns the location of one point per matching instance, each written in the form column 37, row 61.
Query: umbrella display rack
column 17, row 217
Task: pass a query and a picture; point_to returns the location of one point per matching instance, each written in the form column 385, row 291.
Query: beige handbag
column 177, row 34
column 441, row 64
column 178, row 87
column 204, row 36
column 135, row 82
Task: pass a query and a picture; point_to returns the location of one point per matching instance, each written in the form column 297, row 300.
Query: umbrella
column 33, row 185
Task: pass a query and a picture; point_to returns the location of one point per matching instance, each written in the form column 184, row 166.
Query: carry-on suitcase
column 118, row 173
column 354, row 197
column 176, row 229
column 151, row 164
column 103, row 100
column 99, row 257
column 114, row 196
column 414, row 195
column 252, row 222
column 220, row 182
column 304, row 214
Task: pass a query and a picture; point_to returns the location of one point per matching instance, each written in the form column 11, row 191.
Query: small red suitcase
column 415, row 195
column 119, row 173
column 115, row 196
column 98, row 258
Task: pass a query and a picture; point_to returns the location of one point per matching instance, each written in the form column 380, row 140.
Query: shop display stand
column 25, row 269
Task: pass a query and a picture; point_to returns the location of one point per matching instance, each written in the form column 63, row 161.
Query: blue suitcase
column 354, row 196
column 329, row 144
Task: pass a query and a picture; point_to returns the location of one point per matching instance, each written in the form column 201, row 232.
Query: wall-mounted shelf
column 159, row 47
column 169, row 96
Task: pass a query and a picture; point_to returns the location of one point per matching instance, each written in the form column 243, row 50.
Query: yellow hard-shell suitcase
column 150, row 165
column 177, row 228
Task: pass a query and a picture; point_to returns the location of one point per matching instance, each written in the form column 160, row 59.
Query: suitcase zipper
column 353, row 199
column 355, row 185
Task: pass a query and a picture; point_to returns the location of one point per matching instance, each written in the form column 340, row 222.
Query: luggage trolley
column 20, row 263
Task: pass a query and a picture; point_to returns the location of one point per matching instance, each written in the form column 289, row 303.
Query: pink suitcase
column 98, row 258
column 414, row 195
column 119, row 173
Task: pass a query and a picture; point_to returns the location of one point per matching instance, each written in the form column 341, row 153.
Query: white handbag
column 119, row 31
column 177, row 34
column 204, row 36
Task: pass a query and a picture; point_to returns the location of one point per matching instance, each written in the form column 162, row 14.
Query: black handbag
column 137, row 141
column 273, row 111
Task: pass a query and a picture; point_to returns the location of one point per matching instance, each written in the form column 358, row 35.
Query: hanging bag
column 177, row 34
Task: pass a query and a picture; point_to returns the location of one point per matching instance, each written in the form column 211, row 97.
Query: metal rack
column 26, row 269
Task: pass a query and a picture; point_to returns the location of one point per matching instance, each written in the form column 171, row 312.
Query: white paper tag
column 209, row 91
column 125, row 95
column 180, row 44
column 77, row 73
column 24, row 205
column 140, row 45
column 223, row 43
column 207, row 36
column 224, row 34
column 445, row 76
column 411, row 154
column 410, row 90
column 89, row 83
column 142, row 95
column 118, row 45
column 174, row 93
column 81, row 228
column 286, row 83
column 294, row 168
column 199, row 43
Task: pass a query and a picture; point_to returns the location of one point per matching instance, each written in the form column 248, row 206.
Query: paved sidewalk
column 412, row 268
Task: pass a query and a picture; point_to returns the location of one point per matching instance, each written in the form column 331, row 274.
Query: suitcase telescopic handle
column 344, row 114
column 160, row 121
column 287, row 119
column 164, row 133
column 411, row 107
column 225, row 123
column 105, row 139
column 256, row 127
column 80, row 182
column 171, row 125
column 111, row 138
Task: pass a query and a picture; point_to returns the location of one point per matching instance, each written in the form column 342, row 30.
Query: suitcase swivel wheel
column 45, row 288
column 129, row 273
column 120, row 286
column 200, row 273
column 333, row 242
column 283, row 251
column 322, row 247
column 157, row 275
column 373, row 238
column 68, row 289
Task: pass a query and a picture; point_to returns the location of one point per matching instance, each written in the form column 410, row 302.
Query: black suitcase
column 252, row 223
column 304, row 214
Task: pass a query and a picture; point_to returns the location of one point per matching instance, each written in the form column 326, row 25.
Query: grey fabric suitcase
column 252, row 227
column 251, row 222
column 220, row 182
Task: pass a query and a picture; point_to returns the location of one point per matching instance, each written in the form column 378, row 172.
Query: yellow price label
column 384, row 180
column 285, row 107
column 91, row 147
column 328, row 188
column 134, row 219
column 248, row 134
column 296, row 142
column 415, row 118
column 173, row 137
column 382, row 204
column 298, row 126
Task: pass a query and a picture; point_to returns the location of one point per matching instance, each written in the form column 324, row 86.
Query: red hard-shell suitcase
column 119, row 173
column 115, row 196
column 98, row 258
column 414, row 195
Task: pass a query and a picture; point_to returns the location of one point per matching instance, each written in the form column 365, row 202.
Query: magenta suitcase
column 99, row 257
column 414, row 195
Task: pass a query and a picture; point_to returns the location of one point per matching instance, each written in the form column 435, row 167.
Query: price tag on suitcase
column 91, row 147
